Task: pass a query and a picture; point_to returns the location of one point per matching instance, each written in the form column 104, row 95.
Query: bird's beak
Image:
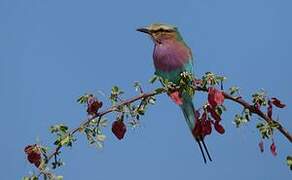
column 144, row 30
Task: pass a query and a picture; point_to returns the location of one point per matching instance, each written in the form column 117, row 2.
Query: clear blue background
column 52, row 51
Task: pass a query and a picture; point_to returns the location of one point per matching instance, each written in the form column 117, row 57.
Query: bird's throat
column 170, row 55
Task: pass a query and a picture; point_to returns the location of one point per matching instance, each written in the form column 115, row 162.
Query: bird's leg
column 203, row 154
column 206, row 149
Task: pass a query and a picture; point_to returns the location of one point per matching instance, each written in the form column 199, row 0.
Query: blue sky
column 53, row 51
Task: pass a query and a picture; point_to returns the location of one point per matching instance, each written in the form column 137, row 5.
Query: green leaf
column 101, row 137
column 190, row 91
column 44, row 149
column 99, row 144
column 247, row 114
column 212, row 79
column 153, row 79
column 65, row 141
column 234, row 90
column 260, row 98
column 266, row 129
column 63, row 128
column 274, row 125
column 259, row 125
column 30, row 178
column 103, row 122
column 59, row 177
column 220, row 78
column 115, row 93
column 151, row 100
column 141, row 111
column 239, row 120
column 134, row 123
column 116, row 90
column 289, row 161
column 165, row 82
column 159, row 90
column 83, row 99
column 59, row 128
column 137, row 86
column 220, row 109
column 54, row 129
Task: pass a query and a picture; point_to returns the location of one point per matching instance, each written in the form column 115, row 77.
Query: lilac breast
column 170, row 55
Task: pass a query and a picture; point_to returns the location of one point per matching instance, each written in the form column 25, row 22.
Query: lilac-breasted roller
column 172, row 57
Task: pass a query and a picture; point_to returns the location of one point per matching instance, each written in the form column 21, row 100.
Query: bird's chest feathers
column 171, row 55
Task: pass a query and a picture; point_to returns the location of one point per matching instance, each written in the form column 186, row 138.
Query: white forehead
column 155, row 27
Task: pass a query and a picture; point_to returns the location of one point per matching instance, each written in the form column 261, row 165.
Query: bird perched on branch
column 172, row 57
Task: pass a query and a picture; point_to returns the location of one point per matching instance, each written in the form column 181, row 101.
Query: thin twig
column 100, row 114
column 254, row 110
column 240, row 101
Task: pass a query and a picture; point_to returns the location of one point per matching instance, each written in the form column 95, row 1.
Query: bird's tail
column 189, row 114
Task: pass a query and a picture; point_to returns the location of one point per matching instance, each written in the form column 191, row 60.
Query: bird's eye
column 168, row 30
column 162, row 30
column 156, row 30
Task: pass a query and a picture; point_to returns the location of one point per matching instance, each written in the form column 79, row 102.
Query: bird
column 171, row 57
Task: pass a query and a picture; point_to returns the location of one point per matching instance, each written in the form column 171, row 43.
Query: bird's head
column 160, row 32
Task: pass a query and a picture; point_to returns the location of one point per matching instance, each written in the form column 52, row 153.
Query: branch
column 240, row 101
column 194, row 85
column 254, row 110
column 102, row 113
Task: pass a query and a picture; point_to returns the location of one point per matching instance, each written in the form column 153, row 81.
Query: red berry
column 219, row 128
column 273, row 149
column 197, row 115
column 33, row 154
column 119, row 129
column 278, row 103
column 261, row 146
column 197, row 131
column 213, row 113
column 93, row 106
column 176, row 98
column 215, row 97
column 207, row 128
column 204, row 117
